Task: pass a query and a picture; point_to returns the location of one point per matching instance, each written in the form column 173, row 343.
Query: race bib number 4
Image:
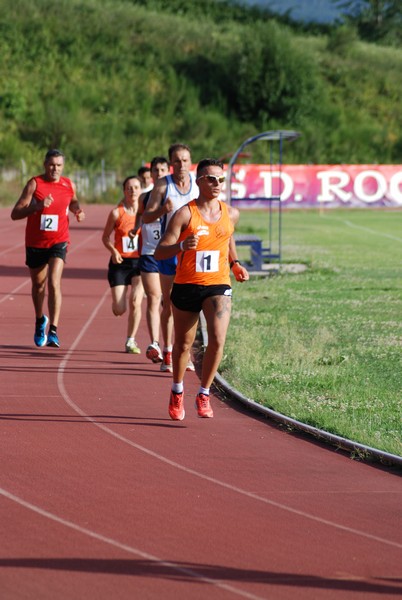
column 207, row 261
column 49, row 222
column 130, row 244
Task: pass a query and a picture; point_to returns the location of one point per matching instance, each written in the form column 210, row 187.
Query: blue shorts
column 148, row 264
column 168, row 266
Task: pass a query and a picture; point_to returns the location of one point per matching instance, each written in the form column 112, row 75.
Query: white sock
column 167, row 348
column 177, row 388
column 204, row 391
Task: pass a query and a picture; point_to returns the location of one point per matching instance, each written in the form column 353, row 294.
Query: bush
column 341, row 40
column 275, row 78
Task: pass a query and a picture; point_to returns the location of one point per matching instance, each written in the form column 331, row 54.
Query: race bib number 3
column 207, row 262
column 156, row 231
column 130, row 244
column 49, row 222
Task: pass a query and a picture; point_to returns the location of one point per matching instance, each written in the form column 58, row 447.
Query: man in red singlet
column 45, row 202
column 201, row 234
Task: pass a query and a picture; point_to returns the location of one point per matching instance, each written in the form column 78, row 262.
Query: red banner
column 304, row 186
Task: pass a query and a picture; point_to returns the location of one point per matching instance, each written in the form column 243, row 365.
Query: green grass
column 324, row 346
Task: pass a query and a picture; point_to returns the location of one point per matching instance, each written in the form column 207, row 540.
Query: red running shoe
column 203, row 406
column 166, row 364
column 176, row 406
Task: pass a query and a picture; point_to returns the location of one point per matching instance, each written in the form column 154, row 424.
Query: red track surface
column 103, row 496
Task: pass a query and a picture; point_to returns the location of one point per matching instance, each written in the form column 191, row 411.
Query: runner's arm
column 168, row 245
column 138, row 217
column 26, row 204
column 75, row 206
column 156, row 208
column 107, row 232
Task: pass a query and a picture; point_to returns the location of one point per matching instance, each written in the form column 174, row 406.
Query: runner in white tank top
column 177, row 197
column 150, row 236
column 168, row 195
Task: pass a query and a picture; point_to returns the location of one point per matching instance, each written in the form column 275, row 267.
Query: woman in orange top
column 123, row 270
column 201, row 233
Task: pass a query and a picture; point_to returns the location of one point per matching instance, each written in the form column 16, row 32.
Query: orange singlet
column 128, row 247
column 209, row 263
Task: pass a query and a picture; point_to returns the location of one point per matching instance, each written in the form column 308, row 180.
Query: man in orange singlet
column 201, row 234
column 45, row 202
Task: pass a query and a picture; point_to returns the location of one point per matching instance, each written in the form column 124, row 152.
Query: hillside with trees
column 119, row 80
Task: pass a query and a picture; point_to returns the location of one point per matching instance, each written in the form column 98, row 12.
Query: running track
column 104, row 497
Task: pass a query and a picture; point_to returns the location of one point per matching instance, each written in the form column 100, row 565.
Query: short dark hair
column 52, row 153
column 175, row 147
column 143, row 169
column 157, row 160
column 130, row 177
column 208, row 162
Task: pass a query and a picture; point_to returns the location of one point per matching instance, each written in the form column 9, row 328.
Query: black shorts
column 190, row 297
column 37, row 257
column 122, row 274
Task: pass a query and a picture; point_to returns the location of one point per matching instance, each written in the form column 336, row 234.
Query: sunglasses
column 213, row 179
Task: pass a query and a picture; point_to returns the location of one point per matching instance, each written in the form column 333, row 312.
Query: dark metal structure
column 259, row 254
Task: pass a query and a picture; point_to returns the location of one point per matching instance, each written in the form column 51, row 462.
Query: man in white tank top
column 150, row 236
column 168, row 195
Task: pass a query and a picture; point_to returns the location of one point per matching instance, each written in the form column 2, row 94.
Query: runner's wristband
column 233, row 262
column 181, row 245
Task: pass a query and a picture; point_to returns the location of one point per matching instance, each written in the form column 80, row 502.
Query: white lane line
column 15, row 291
column 76, row 408
column 367, row 229
column 130, row 549
column 373, row 231
column 12, row 249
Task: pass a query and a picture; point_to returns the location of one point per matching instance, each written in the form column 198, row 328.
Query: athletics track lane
column 103, row 496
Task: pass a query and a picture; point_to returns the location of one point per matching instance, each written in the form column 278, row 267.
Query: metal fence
column 90, row 183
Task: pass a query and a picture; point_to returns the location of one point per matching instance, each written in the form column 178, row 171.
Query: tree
column 375, row 20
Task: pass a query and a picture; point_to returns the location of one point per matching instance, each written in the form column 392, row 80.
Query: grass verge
column 324, row 346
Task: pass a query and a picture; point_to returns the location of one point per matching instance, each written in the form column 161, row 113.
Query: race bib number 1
column 130, row 244
column 49, row 222
column 207, row 262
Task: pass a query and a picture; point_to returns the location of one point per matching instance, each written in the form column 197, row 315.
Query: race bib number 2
column 49, row 222
column 207, row 262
